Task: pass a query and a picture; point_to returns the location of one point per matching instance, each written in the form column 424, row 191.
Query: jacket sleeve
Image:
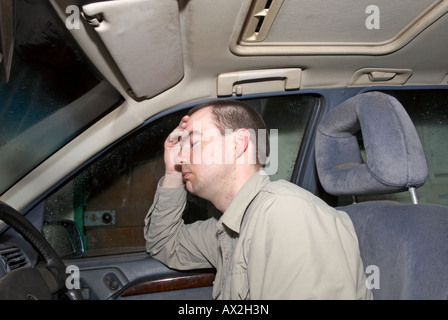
column 172, row 242
column 301, row 250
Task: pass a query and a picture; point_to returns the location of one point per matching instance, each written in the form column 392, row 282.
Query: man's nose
column 183, row 157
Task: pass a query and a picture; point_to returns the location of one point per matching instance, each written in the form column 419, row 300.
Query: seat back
column 405, row 245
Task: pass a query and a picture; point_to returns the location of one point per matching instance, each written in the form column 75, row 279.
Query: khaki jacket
column 274, row 241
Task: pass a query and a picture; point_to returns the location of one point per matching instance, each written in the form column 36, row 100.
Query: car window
column 108, row 199
column 428, row 110
column 52, row 93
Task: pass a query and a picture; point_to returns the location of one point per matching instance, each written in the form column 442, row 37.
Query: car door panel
column 139, row 276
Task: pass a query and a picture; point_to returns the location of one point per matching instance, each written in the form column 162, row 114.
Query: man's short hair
column 236, row 114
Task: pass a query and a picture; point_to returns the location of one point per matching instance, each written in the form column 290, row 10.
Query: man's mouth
column 185, row 175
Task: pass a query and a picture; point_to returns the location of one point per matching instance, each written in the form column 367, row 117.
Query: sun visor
column 144, row 39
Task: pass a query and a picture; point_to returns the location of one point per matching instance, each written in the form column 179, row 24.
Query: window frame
column 308, row 128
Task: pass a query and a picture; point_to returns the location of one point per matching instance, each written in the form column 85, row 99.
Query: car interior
column 354, row 95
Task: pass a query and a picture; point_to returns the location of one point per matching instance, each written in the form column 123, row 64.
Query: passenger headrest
column 395, row 159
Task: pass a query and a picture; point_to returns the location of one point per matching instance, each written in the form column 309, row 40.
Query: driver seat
column 404, row 247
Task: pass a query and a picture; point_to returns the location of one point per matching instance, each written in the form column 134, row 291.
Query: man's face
column 205, row 155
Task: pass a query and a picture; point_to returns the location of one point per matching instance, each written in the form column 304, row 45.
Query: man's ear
column 242, row 138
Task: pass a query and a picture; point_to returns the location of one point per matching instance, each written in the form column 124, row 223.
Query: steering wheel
column 38, row 282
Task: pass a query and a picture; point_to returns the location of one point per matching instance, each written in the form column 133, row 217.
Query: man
column 274, row 240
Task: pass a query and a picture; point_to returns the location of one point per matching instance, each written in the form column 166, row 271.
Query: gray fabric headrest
column 395, row 156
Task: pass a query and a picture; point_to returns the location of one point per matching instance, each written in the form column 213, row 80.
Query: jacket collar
column 234, row 214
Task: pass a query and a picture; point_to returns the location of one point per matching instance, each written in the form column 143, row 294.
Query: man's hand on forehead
column 173, row 176
column 179, row 133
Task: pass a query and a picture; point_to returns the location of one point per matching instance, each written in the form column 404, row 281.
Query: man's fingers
column 178, row 135
column 183, row 121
